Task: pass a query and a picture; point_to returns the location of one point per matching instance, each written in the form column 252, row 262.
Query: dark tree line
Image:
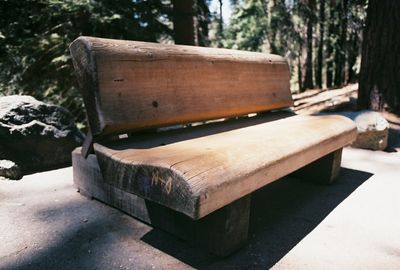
column 35, row 35
column 321, row 39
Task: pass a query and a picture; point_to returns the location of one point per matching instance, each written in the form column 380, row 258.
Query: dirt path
column 317, row 100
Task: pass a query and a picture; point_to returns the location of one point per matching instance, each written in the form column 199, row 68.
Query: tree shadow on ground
column 90, row 241
column 282, row 214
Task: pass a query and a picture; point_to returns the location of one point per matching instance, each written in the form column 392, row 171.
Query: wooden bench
column 194, row 180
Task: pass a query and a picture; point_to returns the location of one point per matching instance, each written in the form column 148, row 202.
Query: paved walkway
column 353, row 224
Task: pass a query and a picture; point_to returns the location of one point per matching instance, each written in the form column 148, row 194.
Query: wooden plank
column 89, row 182
column 130, row 85
column 221, row 232
column 199, row 175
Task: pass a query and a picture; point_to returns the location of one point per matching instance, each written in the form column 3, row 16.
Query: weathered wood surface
column 196, row 174
column 130, row 85
column 221, row 232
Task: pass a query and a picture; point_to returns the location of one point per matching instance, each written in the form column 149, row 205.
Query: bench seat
column 194, row 181
column 200, row 169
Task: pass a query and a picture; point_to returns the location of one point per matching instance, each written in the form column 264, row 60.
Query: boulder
column 372, row 129
column 35, row 135
column 10, row 170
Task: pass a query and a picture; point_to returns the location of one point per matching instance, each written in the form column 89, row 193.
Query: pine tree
column 185, row 22
column 308, row 81
column 318, row 72
column 35, row 35
column 248, row 26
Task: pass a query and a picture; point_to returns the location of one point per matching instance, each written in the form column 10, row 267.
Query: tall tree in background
column 217, row 27
column 185, row 22
column 191, row 19
column 330, row 44
column 248, row 26
column 203, row 21
column 329, row 50
column 379, row 87
column 308, row 80
column 318, row 72
column 35, row 58
column 340, row 52
column 35, row 35
column 220, row 26
column 355, row 25
column 281, row 34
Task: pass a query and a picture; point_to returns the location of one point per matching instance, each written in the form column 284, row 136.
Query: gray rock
column 10, row 170
column 372, row 129
column 35, row 135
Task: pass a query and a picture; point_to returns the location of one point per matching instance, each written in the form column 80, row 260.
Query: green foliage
column 283, row 36
column 204, row 19
column 35, row 35
column 248, row 26
column 280, row 27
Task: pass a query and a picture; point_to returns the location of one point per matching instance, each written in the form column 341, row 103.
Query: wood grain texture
column 221, row 232
column 130, row 85
column 196, row 175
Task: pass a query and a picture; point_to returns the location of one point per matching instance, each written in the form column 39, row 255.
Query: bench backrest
column 129, row 85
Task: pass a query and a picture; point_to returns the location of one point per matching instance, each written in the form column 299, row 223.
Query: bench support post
column 324, row 170
column 220, row 232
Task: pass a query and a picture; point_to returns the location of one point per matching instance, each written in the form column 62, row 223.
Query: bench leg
column 225, row 230
column 221, row 232
column 324, row 170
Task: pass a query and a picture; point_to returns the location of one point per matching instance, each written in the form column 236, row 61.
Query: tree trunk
column 340, row 55
column 379, row 87
column 203, row 20
column 352, row 53
column 329, row 46
column 299, row 72
column 343, row 41
column 220, row 26
column 221, row 20
column 318, row 77
column 185, row 22
column 308, row 81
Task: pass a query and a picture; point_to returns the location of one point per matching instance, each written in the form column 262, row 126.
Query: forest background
column 321, row 39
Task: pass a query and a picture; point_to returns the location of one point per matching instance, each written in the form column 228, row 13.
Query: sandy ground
column 352, row 224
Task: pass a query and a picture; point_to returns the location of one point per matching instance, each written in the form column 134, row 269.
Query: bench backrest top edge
column 128, row 85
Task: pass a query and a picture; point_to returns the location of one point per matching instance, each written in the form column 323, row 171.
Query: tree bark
column 203, row 20
column 220, row 26
column 379, row 87
column 352, row 54
column 329, row 47
column 221, row 20
column 340, row 55
column 185, row 22
column 299, row 72
column 308, row 81
column 318, row 77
